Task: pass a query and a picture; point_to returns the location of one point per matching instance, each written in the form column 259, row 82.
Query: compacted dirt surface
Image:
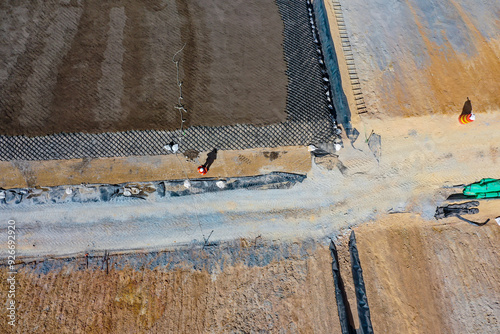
column 94, row 66
column 292, row 294
column 421, row 277
column 263, row 264
column 431, row 277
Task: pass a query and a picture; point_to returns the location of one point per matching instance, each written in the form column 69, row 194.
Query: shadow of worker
column 467, row 109
column 211, row 156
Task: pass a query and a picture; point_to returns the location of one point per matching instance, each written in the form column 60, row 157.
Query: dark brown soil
column 96, row 66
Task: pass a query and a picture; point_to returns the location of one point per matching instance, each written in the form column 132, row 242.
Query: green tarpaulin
column 486, row 188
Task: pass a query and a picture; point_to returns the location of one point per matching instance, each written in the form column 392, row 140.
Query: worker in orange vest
column 467, row 116
column 202, row 170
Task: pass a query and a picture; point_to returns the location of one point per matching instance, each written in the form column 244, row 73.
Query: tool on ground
column 487, row 188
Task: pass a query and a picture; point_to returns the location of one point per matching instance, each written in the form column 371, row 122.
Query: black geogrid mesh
column 309, row 120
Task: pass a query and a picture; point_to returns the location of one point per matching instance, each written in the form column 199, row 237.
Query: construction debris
column 457, row 210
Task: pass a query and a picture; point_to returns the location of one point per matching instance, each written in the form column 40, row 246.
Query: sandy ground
column 431, row 277
column 18, row 174
column 420, row 57
column 96, row 66
column 419, row 157
column 291, row 295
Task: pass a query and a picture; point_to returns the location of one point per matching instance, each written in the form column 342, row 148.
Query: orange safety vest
column 464, row 119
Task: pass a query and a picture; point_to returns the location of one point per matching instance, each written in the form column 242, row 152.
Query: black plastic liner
column 155, row 191
column 344, row 310
column 359, row 287
column 457, row 210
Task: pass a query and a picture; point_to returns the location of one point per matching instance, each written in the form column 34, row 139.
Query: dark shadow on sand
column 211, row 156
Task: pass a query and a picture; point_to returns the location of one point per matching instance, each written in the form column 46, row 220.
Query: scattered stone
column 192, row 154
column 328, row 161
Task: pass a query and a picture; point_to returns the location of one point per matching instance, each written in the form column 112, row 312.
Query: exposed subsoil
column 431, row 276
column 96, row 66
column 421, row 277
column 281, row 291
column 423, row 58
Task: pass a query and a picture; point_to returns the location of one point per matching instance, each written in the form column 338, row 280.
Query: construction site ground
column 421, row 277
column 399, row 251
column 258, row 260
column 96, row 66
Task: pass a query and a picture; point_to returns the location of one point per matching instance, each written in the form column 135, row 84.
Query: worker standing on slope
column 467, row 116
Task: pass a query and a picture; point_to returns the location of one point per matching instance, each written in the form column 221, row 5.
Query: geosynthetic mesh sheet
column 309, row 118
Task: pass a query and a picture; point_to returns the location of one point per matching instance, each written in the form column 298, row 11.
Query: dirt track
column 98, row 66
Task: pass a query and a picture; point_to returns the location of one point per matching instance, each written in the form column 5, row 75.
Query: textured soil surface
column 420, row 57
column 421, row 277
column 418, row 61
column 288, row 290
column 93, row 66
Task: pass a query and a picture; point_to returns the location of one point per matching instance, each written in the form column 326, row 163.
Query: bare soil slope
column 96, row 66
column 289, row 296
column 421, row 57
column 431, row 277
